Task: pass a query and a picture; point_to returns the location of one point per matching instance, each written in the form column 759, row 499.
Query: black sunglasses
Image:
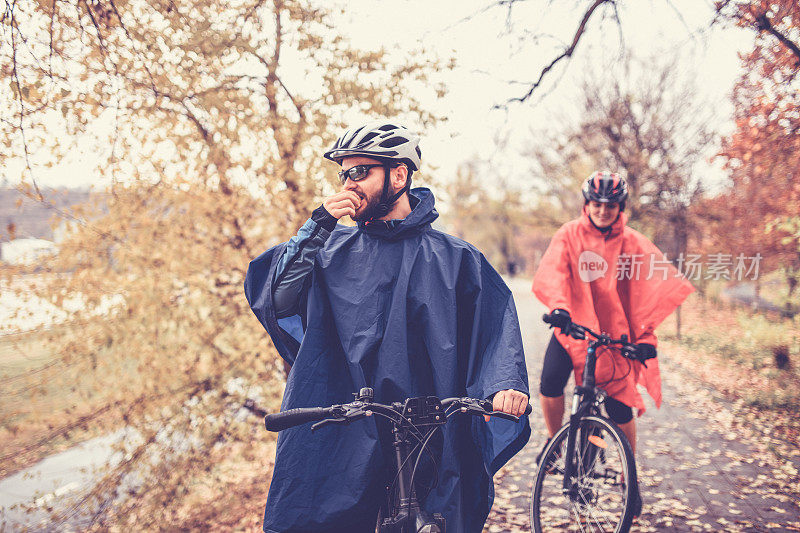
column 356, row 173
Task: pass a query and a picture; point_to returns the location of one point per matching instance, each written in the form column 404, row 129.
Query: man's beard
column 371, row 209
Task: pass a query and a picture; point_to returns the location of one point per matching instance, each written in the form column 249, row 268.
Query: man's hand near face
column 344, row 203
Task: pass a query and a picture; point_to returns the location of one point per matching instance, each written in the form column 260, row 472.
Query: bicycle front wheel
column 599, row 496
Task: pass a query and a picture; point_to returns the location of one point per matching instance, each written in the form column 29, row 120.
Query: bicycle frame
column 584, row 400
column 405, row 513
column 580, row 451
column 408, row 515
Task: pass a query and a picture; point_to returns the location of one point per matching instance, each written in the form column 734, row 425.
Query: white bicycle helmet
column 383, row 140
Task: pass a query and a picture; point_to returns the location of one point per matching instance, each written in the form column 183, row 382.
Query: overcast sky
column 490, row 59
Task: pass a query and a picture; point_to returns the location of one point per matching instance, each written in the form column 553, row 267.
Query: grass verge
column 752, row 359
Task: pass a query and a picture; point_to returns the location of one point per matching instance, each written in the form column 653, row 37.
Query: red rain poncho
column 619, row 283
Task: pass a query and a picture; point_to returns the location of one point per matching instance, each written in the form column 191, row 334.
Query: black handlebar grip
column 528, row 409
column 295, row 417
column 547, row 318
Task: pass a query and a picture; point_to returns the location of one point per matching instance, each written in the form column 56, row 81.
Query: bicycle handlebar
column 346, row 413
column 295, row 417
column 486, row 405
column 547, row 318
column 577, row 331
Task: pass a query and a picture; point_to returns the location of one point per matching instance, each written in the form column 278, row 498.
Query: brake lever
column 572, row 330
column 347, row 414
column 576, row 332
column 471, row 407
column 505, row 416
column 485, row 408
column 327, row 421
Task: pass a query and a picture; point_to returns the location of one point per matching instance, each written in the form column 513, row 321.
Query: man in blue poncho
column 394, row 305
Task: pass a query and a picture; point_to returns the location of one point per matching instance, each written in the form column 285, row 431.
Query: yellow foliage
column 214, row 157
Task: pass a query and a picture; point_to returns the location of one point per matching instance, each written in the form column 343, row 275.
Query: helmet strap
column 388, row 201
column 607, row 228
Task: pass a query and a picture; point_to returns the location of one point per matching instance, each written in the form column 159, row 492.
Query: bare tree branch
column 565, row 54
column 196, row 121
column 618, row 20
column 18, row 85
column 763, row 24
column 100, row 40
column 133, row 45
column 52, row 21
column 679, row 15
column 471, row 16
column 760, row 22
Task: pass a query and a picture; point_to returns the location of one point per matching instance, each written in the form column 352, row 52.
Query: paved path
column 696, row 474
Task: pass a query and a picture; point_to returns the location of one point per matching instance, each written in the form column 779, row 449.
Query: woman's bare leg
column 553, row 409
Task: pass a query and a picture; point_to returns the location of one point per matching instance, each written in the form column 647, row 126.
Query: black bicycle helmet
column 606, row 187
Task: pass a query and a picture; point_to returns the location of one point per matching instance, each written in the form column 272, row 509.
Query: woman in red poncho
column 604, row 275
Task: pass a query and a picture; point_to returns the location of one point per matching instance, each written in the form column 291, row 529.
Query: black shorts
column 556, row 370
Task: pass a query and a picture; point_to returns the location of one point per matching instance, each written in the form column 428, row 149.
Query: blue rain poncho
column 409, row 311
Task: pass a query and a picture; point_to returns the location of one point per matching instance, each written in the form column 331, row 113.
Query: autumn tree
column 763, row 154
column 549, row 195
column 649, row 127
column 492, row 215
column 210, row 118
column 558, row 168
column 763, row 149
